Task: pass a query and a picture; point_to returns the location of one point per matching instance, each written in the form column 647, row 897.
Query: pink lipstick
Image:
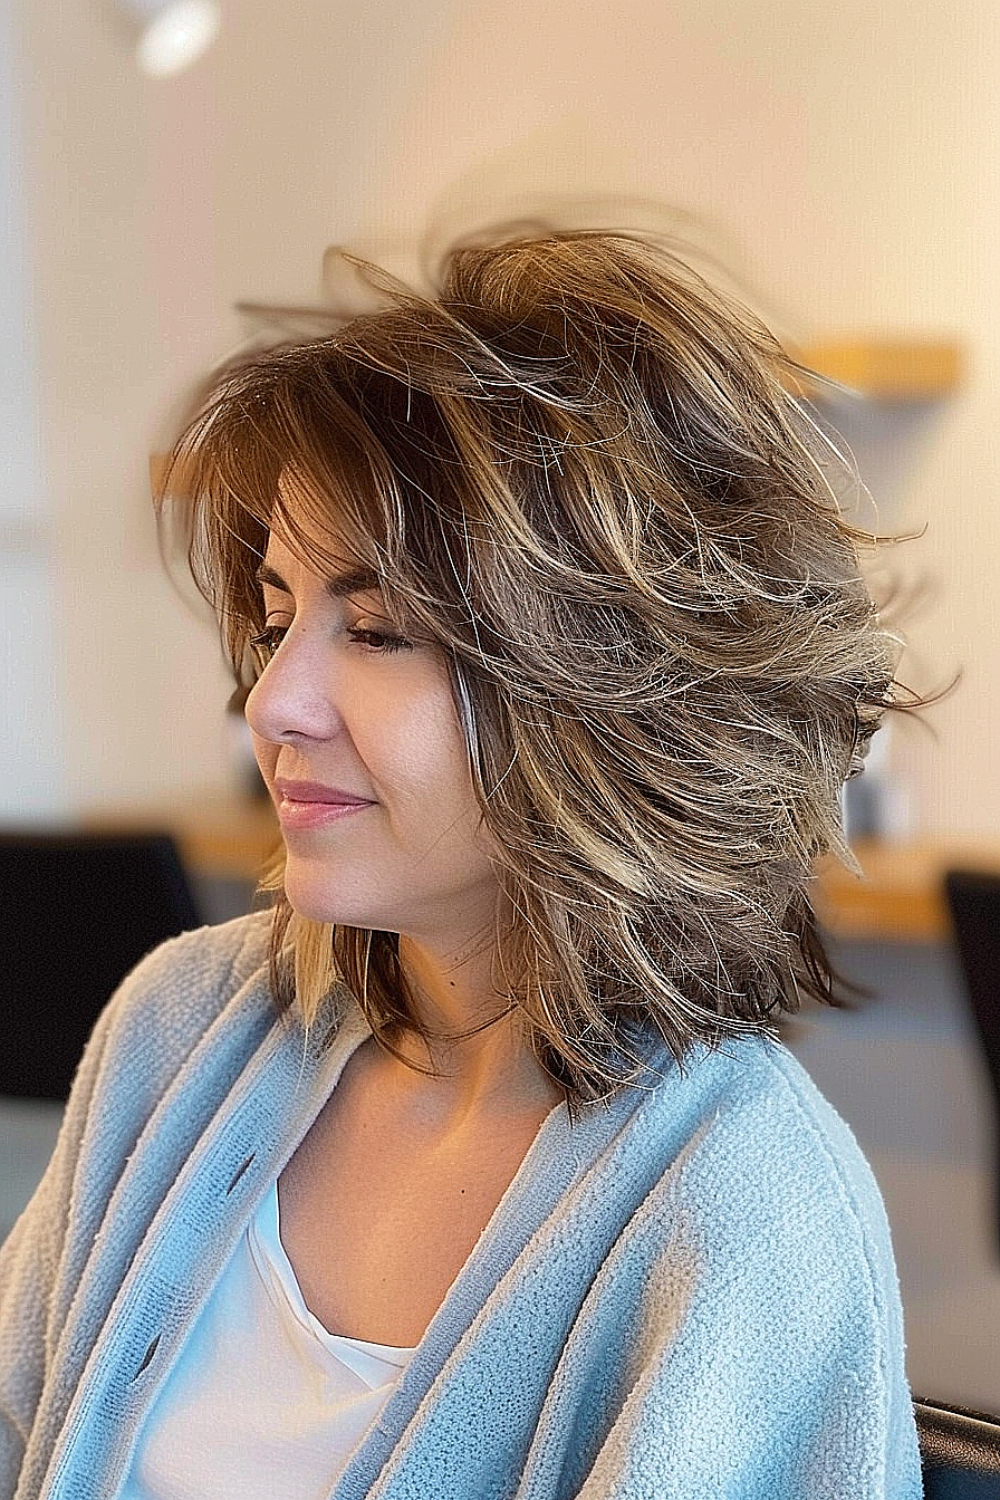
column 310, row 804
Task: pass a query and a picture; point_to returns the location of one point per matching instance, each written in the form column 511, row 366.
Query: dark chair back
column 973, row 898
column 959, row 1451
column 77, row 912
column 974, row 903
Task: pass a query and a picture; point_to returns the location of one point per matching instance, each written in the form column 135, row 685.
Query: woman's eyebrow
column 358, row 581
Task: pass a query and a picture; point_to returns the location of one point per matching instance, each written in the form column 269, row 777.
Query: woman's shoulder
column 768, row 1221
column 758, row 1272
column 767, row 1152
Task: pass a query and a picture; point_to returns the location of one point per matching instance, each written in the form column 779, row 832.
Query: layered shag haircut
column 582, row 472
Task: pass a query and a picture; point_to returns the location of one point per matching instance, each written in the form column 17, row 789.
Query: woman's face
column 336, row 708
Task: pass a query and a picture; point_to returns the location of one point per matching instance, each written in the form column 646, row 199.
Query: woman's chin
column 325, row 911
column 317, row 903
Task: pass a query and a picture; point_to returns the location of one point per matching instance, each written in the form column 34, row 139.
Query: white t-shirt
column 263, row 1401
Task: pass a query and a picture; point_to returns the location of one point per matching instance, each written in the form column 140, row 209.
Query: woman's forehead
column 302, row 505
column 342, row 573
column 307, row 525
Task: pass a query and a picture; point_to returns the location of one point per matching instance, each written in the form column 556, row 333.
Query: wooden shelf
column 226, row 837
column 158, row 465
column 900, row 897
column 886, row 369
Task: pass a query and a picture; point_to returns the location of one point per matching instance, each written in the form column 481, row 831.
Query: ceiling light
column 172, row 33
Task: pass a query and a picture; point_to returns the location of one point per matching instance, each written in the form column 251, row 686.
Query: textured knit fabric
column 263, row 1400
column 688, row 1292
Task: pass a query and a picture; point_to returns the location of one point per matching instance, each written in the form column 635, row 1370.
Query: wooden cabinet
column 890, row 370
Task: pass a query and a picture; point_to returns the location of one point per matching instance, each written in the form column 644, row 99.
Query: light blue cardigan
column 687, row 1293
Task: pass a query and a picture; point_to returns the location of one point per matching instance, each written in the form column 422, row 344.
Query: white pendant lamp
column 172, row 34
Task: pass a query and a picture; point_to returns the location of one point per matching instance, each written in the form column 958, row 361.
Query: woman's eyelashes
column 389, row 640
column 267, row 642
column 374, row 642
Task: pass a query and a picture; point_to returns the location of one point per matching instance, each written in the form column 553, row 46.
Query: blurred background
column 836, row 166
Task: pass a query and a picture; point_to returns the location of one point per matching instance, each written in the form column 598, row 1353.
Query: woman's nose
column 293, row 698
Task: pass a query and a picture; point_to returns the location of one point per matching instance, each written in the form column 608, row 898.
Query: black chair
column 973, row 899
column 959, row 1452
column 77, row 912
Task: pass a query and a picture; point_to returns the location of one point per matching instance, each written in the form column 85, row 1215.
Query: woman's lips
column 309, row 804
column 293, row 814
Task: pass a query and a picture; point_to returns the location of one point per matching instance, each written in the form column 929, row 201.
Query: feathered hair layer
column 581, row 471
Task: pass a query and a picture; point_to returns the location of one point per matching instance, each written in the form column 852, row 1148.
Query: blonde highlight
column 581, row 472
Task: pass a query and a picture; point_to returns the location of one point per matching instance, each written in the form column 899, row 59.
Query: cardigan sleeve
column 761, row 1388
column 127, row 1065
column 30, row 1261
column 756, row 1295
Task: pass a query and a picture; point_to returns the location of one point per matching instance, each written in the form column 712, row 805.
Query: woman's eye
column 376, row 642
column 388, row 644
column 267, row 642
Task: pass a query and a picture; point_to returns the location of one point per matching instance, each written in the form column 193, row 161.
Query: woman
column 474, row 1167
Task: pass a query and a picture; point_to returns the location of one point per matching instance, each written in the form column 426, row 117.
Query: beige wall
column 842, row 159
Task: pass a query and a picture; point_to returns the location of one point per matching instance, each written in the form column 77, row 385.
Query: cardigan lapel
column 549, row 1226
